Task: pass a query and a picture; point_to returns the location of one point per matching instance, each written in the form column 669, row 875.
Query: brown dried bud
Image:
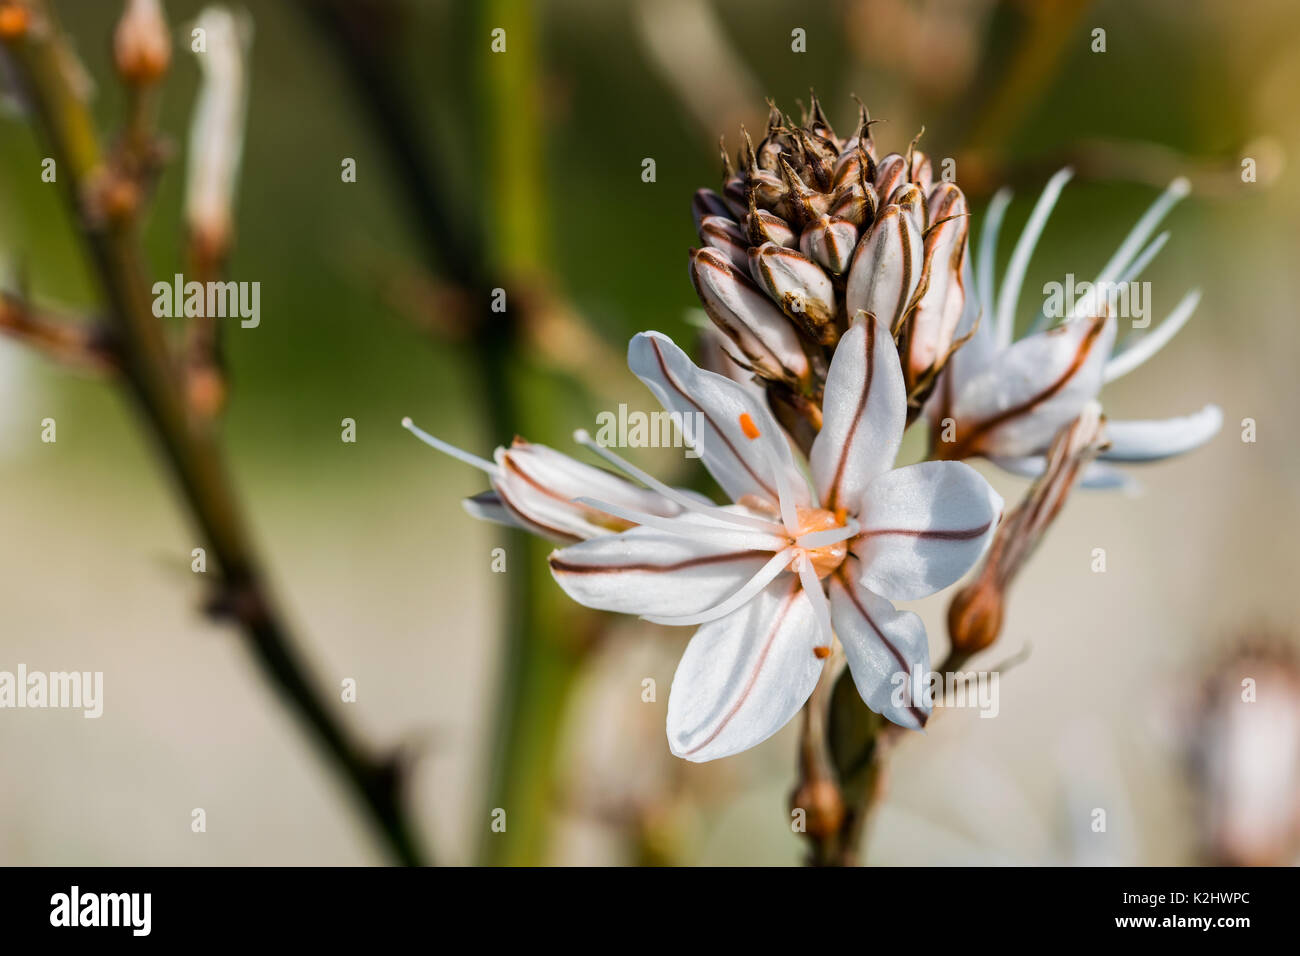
column 823, row 807
column 975, row 616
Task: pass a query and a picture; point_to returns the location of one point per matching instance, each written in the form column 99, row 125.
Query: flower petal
column 864, row 410
column 923, row 527
column 729, row 417
column 652, row 571
column 537, row 485
column 1095, row 476
column 1162, row 438
column 883, row 646
column 1028, row 391
column 743, row 677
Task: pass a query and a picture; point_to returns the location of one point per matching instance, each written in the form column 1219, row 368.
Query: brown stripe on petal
column 568, row 567
column 938, row 534
column 901, row 305
column 663, row 367
column 758, row 667
column 967, row 443
column 841, row 576
column 831, row 503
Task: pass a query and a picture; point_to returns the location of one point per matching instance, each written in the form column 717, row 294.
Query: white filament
column 582, row 437
column 474, row 461
column 766, row 574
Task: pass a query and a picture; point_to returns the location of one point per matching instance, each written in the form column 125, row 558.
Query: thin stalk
column 193, row 457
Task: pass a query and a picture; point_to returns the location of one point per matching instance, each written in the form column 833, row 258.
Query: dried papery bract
column 975, row 616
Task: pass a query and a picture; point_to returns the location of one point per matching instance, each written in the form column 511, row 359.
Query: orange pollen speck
column 748, row 427
column 821, row 653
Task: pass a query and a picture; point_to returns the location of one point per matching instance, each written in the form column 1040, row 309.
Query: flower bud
column 763, row 337
column 721, row 233
column 856, row 202
column 934, row 323
column 854, row 165
column 886, row 268
column 799, row 286
column 762, row 226
column 829, row 242
column 801, row 203
column 909, row 197
column 708, row 203
column 921, row 172
column 975, row 617
column 142, row 45
column 891, row 172
column 216, row 143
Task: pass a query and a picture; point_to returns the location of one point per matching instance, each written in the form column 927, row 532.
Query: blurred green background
column 389, row 582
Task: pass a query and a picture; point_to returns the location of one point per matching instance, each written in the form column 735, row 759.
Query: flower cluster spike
column 811, row 228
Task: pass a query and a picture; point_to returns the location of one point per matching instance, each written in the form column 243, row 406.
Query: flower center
column 826, row 559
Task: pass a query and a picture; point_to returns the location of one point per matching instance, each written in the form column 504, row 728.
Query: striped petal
column 656, row 571
column 1162, row 438
column 738, row 439
column 923, row 527
column 537, row 485
column 1028, row 391
column 864, row 410
column 883, row 646
column 743, row 677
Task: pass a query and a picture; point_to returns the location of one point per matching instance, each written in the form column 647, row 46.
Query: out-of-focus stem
column 539, row 657
column 194, row 458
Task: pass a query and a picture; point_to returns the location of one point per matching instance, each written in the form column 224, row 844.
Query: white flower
column 1005, row 401
column 774, row 577
column 770, row 576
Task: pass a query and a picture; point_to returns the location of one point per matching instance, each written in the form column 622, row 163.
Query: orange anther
column 748, row 427
column 821, row 653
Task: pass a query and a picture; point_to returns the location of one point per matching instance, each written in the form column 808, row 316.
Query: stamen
column 474, row 461
column 765, row 576
column 1176, row 190
column 988, row 249
column 821, row 607
column 1151, row 343
column 583, row 437
column 1133, row 271
column 748, row 427
column 751, row 540
column 821, row 539
column 784, row 493
column 1009, row 297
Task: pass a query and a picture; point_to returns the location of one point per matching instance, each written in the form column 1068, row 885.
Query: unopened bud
column 142, row 45
column 723, row 234
column 823, row 807
column 886, row 268
column 891, row 172
column 763, row 338
column 799, row 286
column 975, row 616
column 829, row 242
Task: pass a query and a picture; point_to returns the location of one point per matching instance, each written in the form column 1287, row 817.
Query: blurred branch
column 72, row 343
column 109, row 227
column 540, row 658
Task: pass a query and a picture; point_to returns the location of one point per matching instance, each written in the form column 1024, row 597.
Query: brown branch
column 152, row 377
